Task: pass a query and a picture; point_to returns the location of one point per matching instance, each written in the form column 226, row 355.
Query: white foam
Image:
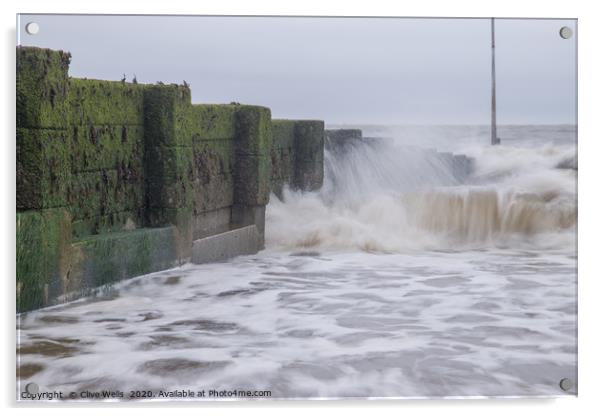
column 394, row 280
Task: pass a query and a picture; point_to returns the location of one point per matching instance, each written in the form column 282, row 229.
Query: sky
column 341, row 70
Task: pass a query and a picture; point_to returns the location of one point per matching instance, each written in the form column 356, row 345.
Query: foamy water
column 394, row 280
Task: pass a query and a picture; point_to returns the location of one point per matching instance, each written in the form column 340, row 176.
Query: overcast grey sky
column 342, row 70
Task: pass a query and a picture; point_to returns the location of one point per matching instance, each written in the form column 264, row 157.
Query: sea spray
column 382, row 195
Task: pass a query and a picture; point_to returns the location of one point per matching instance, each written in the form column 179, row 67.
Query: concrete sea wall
column 119, row 179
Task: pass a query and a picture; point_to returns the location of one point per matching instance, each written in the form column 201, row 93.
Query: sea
column 394, row 280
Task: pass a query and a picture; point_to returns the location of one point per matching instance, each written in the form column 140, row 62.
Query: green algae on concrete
column 282, row 154
column 43, row 239
column 43, row 168
column 42, row 87
column 96, row 102
column 107, row 258
column 309, row 154
column 210, row 122
column 253, row 164
column 168, row 153
column 104, row 192
column 213, row 138
column 252, row 155
column 309, row 140
column 98, row 162
column 104, row 146
column 253, row 130
column 214, row 183
column 169, row 176
column 115, row 221
column 169, row 162
column 297, row 155
column 166, row 110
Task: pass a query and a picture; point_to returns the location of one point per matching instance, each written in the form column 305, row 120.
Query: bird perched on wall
column 135, row 81
column 123, row 79
column 186, row 84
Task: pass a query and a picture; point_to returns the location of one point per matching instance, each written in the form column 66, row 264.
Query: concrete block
column 282, row 154
column 43, row 168
column 170, row 175
column 96, row 102
column 107, row 258
column 243, row 215
column 95, row 147
column 104, row 192
column 338, row 140
column 309, row 155
column 210, row 122
column 166, row 111
column 309, row 175
column 253, row 130
column 214, row 177
column 169, row 161
column 43, row 253
column 211, row 222
column 217, row 191
column 283, row 133
column 252, row 156
column 42, row 87
column 111, row 222
column 252, row 180
column 220, row 247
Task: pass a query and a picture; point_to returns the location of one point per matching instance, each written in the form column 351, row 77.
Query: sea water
column 396, row 279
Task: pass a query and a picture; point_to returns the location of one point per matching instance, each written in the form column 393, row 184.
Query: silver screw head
column 566, row 32
column 32, row 388
column 32, row 28
column 566, row 384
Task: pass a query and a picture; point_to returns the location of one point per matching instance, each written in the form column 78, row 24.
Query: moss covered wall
column 80, row 173
column 116, row 179
column 282, row 154
column 297, row 155
column 106, row 149
column 80, row 144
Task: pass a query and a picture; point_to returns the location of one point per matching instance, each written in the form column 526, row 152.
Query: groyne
column 118, row 179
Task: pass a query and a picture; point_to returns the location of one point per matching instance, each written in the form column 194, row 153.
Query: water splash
column 382, row 195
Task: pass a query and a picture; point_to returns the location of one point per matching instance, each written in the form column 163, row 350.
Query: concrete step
column 225, row 245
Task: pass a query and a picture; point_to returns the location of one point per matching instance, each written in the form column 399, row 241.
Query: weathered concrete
column 244, row 215
column 107, row 258
column 220, row 247
column 309, row 154
column 343, row 140
column 211, row 222
column 339, row 139
column 43, row 249
column 116, row 179
column 297, row 155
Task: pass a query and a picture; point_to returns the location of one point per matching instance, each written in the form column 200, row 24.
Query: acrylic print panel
column 280, row 207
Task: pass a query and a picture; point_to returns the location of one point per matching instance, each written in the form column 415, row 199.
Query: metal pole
column 494, row 138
